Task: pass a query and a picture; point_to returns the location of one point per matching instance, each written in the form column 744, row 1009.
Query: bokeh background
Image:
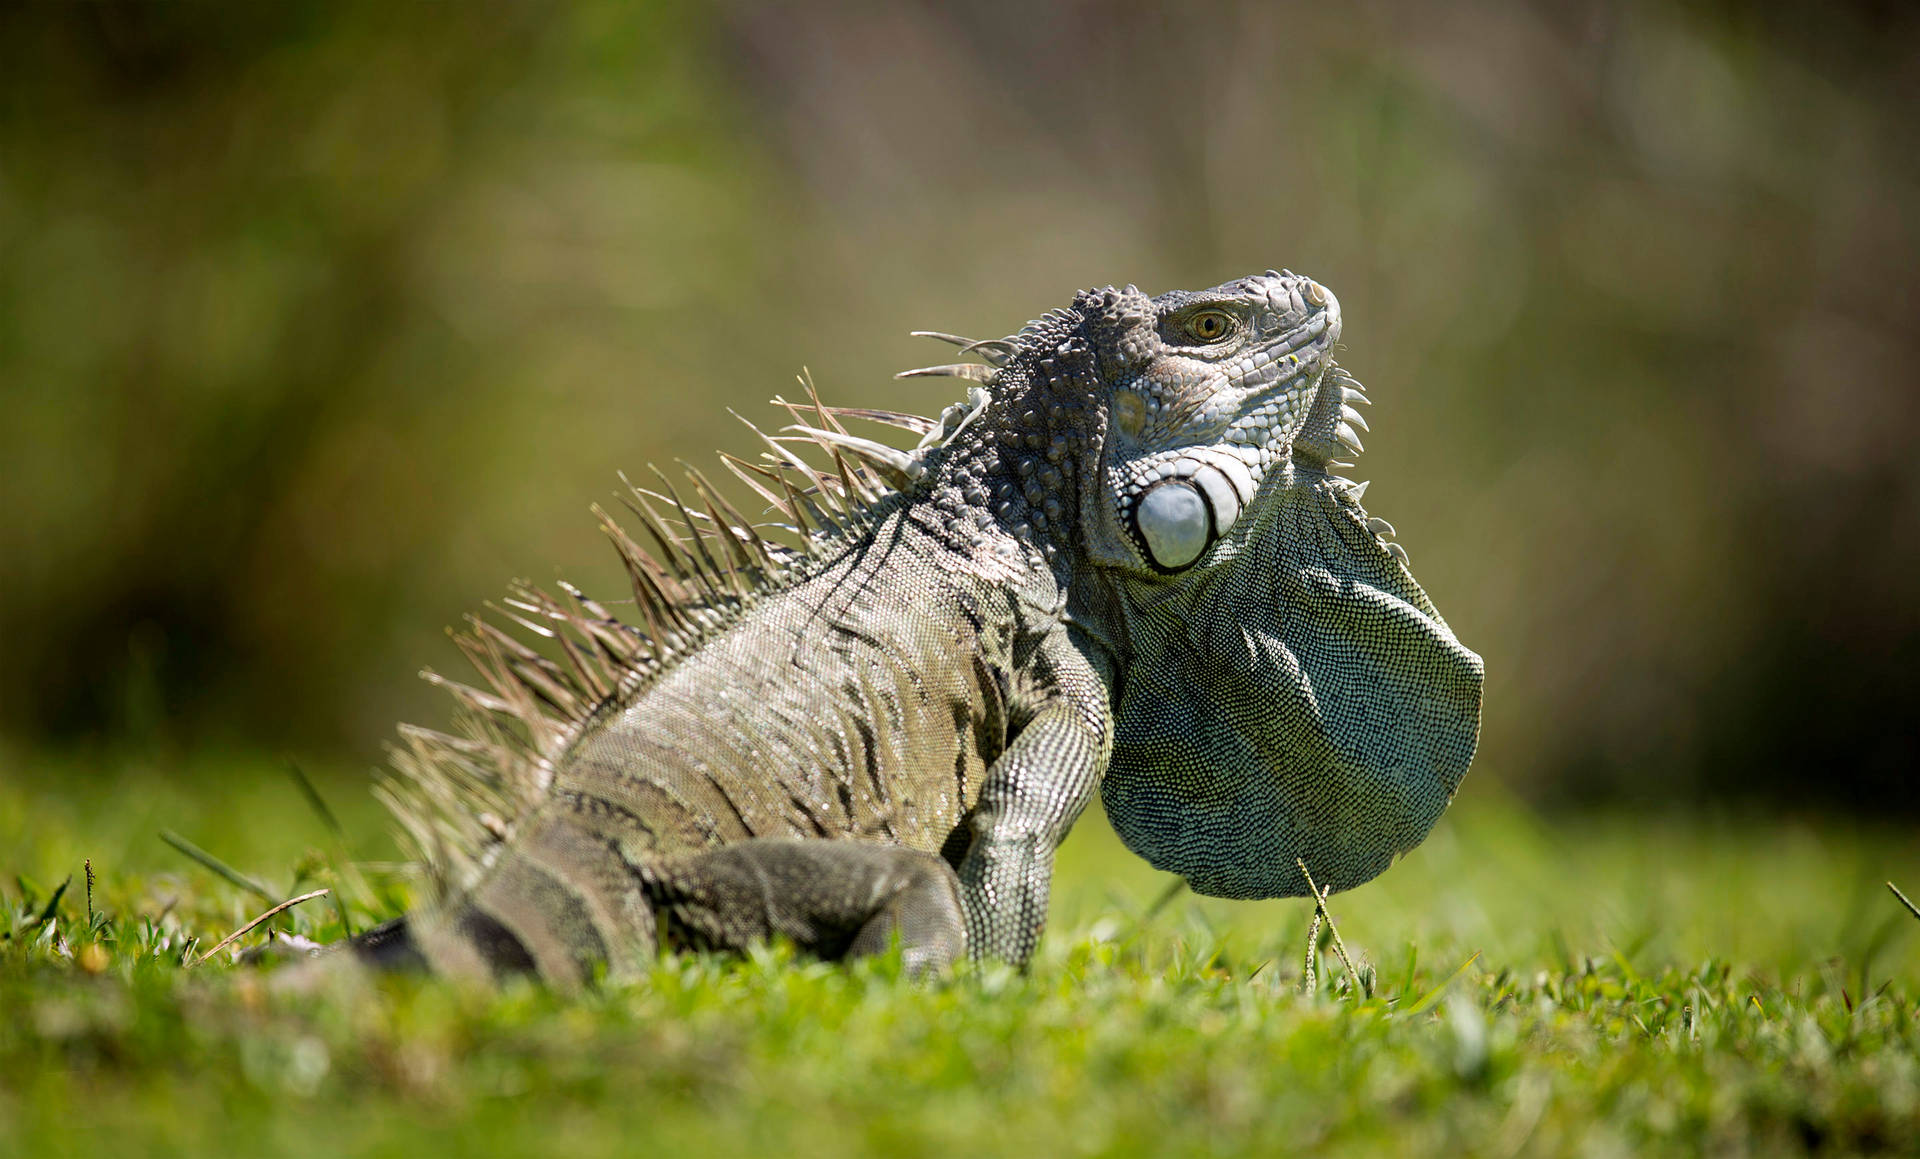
column 318, row 322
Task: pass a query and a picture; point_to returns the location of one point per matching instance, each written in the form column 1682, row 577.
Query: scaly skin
column 1129, row 562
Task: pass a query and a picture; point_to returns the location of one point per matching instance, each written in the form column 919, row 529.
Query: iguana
column 1125, row 564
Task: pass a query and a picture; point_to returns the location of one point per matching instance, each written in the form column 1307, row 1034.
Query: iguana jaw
column 1195, row 427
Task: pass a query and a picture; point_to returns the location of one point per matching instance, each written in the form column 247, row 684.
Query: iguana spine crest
column 457, row 795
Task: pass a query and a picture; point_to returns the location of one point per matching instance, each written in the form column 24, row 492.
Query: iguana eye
column 1210, row 325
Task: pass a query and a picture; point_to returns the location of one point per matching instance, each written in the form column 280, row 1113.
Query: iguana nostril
column 1172, row 521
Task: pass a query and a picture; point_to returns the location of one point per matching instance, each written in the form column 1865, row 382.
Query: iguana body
column 1124, row 566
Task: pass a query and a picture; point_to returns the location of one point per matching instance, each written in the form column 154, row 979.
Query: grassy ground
column 1613, row 984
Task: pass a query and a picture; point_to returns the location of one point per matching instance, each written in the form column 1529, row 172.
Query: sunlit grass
column 1611, row 983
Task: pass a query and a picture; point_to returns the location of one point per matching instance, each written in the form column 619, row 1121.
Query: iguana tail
column 557, row 902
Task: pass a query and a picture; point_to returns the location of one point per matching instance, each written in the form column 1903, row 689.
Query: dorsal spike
column 830, row 489
column 672, row 557
column 593, row 667
column 646, row 593
column 513, row 646
column 734, row 527
column 752, row 474
column 997, row 351
column 548, row 658
column 941, row 336
column 825, row 412
column 717, row 568
column 780, row 467
column 710, row 571
column 897, row 465
column 971, row 371
column 853, row 492
column 784, row 458
column 917, row 424
column 579, row 597
column 468, row 695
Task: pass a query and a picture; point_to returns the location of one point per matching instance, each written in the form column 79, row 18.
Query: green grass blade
column 316, row 802
column 1434, row 993
column 53, row 904
column 342, row 866
column 215, row 865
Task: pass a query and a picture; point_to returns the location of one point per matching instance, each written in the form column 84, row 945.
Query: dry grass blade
column 1911, row 908
column 1309, row 974
column 283, row 906
column 1320, row 914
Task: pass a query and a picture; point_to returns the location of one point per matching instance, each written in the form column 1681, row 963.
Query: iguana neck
column 1009, row 484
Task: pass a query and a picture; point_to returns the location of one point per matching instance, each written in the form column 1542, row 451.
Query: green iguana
column 1125, row 564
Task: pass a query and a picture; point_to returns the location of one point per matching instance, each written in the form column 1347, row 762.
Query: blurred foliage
column 319, row 321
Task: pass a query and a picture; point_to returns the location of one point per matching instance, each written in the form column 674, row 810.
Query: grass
column 1597, row 984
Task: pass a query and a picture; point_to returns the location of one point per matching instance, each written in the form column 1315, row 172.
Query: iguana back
column 883, row 729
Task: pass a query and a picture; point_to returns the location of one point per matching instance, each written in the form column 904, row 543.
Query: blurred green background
column 318, row 322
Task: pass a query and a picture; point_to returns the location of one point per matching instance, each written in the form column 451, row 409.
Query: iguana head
column 1205, row 394
column 1184, row 403
column 1285, row 694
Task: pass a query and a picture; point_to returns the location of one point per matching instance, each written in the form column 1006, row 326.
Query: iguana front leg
column 1031, row 797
